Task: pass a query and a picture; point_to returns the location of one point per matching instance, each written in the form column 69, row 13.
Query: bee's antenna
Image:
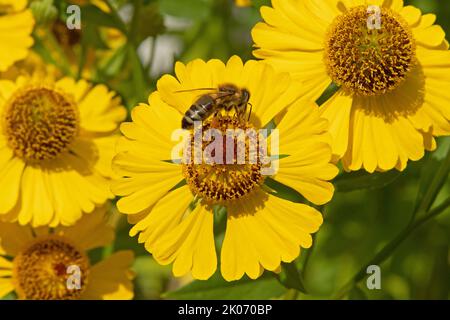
column 197, row 89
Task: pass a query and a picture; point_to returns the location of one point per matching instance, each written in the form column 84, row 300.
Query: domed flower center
column 50, row 269
column 225, row 160
column 40, row 123
column 369, row 52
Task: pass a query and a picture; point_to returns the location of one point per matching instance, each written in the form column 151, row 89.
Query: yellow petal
column 36, row 204
column 100, row 110
column 142, row 190
column 91, row 231
column 111, row 279
column 71, row 175
column 6, row 286
column 263, row 232
column 5, row 264
column 379, row 140
column 166, row 214
column 308, row 172
column 301, row 125
column 190, row 246
column 11, row 176
column 337, row 111
column 15, row 37
column 411, row 14
column 432, row 36
column 13, row 238
column 152, row 129
column 98, row 152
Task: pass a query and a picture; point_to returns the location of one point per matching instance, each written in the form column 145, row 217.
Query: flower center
column 50, row 269
column 229, row 166
column 40, row 123
column 369, row 53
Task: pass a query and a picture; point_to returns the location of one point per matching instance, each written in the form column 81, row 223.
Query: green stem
column 391, row 246
column 422, row 212
column 311, row 249
column 308, row 255
column 61, row 59
column 291, row 294
column 148, row 67
column 433, row 190
column 121, row 24
column 133, row 35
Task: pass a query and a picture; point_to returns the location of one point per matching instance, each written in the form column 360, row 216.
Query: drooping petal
column 337, row 111
column 190, row 246
column 165, row 215
column 263, row 232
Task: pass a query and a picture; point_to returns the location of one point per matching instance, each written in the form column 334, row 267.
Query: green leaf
column 151, row 278
column 151, row 22
column 259, row 3
column 192, row 9
column 95, row 16
column 216, row 288
column 291, row 278
column 91, row 37
column 114, row 64
column 358, row 180
column 138, row 77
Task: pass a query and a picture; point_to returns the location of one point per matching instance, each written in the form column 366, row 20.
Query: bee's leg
column 237, row 113
column 250, row 113
column 216, row 113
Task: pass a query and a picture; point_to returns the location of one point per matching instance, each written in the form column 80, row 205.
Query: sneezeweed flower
column 16, row 25
column 391, row 63
column 56, row 144
column 175, row 219
column 52, row 264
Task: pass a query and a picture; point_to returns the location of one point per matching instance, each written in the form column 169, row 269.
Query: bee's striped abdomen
column 199, row 111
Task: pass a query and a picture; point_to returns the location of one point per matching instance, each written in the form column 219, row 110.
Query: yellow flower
column 56, row 144
column 391, row 63
column 52, row 264
column 16, row 25
column 175, row 221
column 243, row 3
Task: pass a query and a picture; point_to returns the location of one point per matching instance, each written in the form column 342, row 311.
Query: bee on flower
column 172, row 203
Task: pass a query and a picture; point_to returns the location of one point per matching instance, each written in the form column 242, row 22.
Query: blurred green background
column 358, row 223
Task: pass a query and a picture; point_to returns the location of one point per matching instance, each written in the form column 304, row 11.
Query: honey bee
column 225, row 97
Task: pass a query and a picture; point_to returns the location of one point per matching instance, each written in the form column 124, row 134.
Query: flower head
column 172, row 203
column 391, row 64
column 56, row 141
column 52, row 264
